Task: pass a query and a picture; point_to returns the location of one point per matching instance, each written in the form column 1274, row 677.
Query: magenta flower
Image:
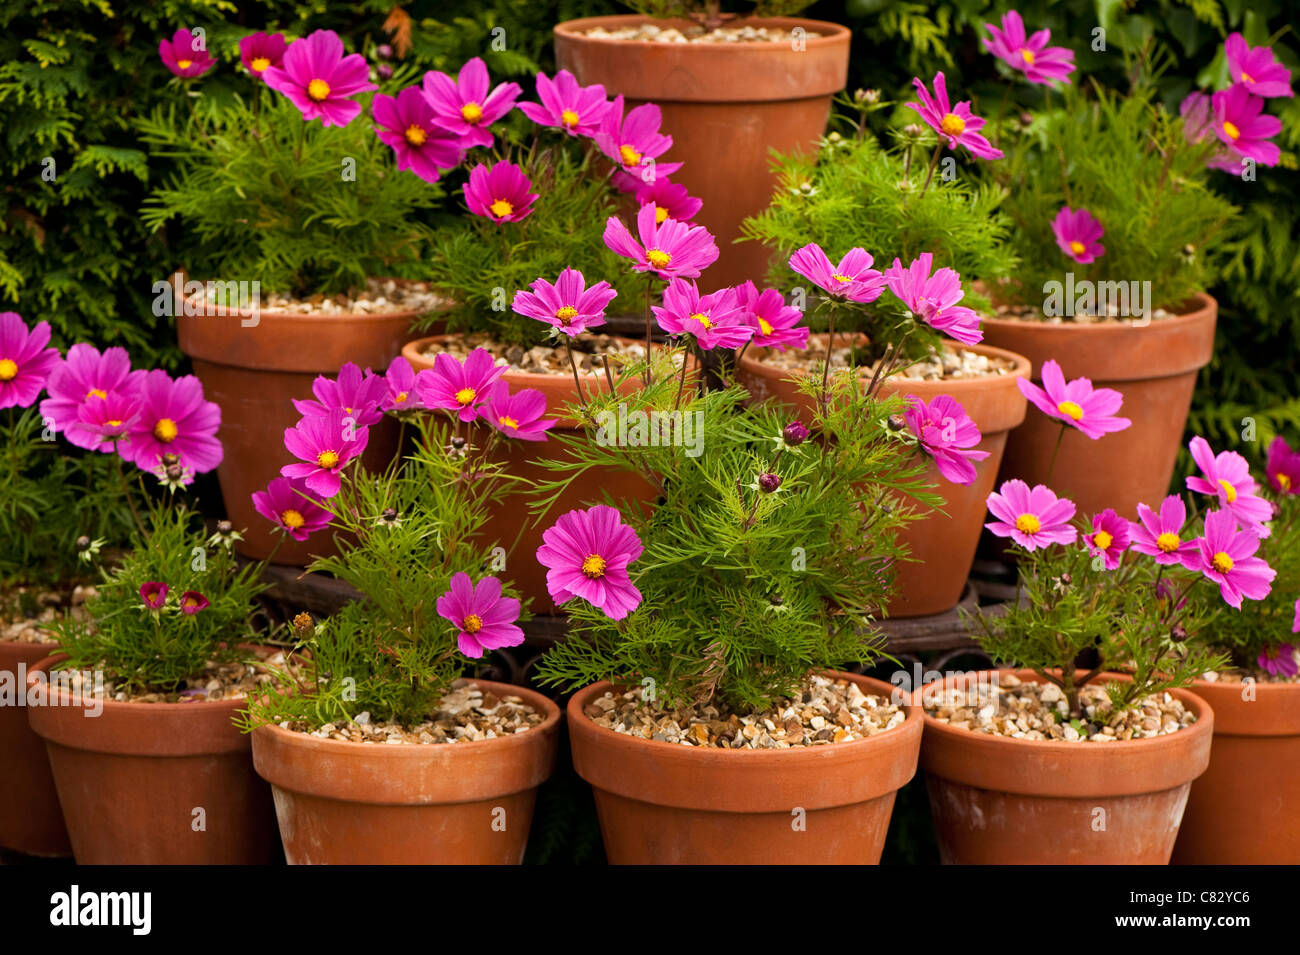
column 319, row 80
column 634, row 143
column 193, row 602
column 1282, row 467
column 85, row 378
column 1242, row 126
column 957, row 123
column 285, row 504
column 1077, row 233
column 175, row 420
column 518, row 415
column 261, row 51
column 1077, row 403
column 670, row 200
column 775, row 324
column 1109, row 538
column 567, row 306
column 947, row 434
column 408, row 124
column 324, row 445
column 1255, row 68
column 853, row 279
column 586, row 554
column 1279, row 660
column 499, row 193
column 567, row 105
column 1227, row 477
column 1295, row 626
column 715, row 320
column 1031, row 55
column 1159, row 535
column 1198, row 123
column 485, row 620
column 1226, row 556
column 934, row 298
column 457, row 387
column 467, row 105
column 358, row 394
column 185, row 55
column 1031, row 518
column 154, row 594
column 25, row 362
column 400, row 381
column 102, row 422
column 670, row 249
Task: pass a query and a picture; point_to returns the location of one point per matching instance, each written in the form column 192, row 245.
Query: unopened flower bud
column 1178, row 633
column 769, row 482
column 794, row 434
column 458, row 442
column 1066, row 580
column 866, row 96
column 897, row 422
column 302, row 624
column 776, row 600
column 83, row 542
column 385, row 51
column 224, row 527
column 914, row 130
column 385, row 71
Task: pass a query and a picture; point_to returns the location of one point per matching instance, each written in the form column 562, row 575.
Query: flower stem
column 681, row 385
column 1051, row 465
column 582, row 399
column 650, row 281
column 824, row 397
column 934, row 162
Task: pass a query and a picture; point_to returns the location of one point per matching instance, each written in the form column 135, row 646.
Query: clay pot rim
column 1231, row 687
column 222, row 311
column 1194, row 312
column 415, row 349
column 572, row 31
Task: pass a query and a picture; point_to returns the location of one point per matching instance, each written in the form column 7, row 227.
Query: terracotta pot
column 1243, row 811
column 943, row 545
column 254, row 373
column 132, row 780
column 726, row 106
column 448, row 804
column 519, row 531
column 1154, row 367
column 996, row 800
column 668, row 804
column 31, row 820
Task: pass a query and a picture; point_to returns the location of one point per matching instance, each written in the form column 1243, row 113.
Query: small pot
column 726, row 106
column 942, row 545
column 1243, row 811
column 155, row 783
column 342, row 803
column 997, row 800
column 31, row 820
column 1154, row 367
column 669, row 804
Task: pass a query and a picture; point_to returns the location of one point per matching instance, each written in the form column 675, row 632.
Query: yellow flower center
column 8, row 369
column 658, row 258
column 165, row 430
column 96, row 393
column 328, row 459
column 184, row 64
column 953, row 125
column 259, row 64
column 508, row 422
column 1222, row 562
column 318, row 90
column 1228, row 490
column 660, row 215
column 569, row 118
column 1070, row 410
column 566, row 314
column 1028, row 524
column 1168, row 542
column 401, row 398
column 594, row 566
column 472, row 623
column 415, row 135
column 1283, row 481
column 702, row 319
column 471, row 112
column 1077, row 247
column 764, row 326
column 1102, row 539
column 501, row 208
column 1231, row 129
column 114, row 422
column 629, row 155
column 466, row 395
column 1027, row 56
column 842, row 278
column 292, row 519
column 1246, row 77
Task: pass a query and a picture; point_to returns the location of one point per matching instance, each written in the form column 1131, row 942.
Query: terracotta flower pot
column 726, row 105
column 1244, row 810
column 669, row 804
column 31, row 820
column 1154, row 367
column 155, row 783
column 943, row 545
column 343, row 803
column 997, row 800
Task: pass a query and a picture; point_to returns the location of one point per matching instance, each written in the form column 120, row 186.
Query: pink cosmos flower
column 1109, row 538
column 1279, row 660
column 25, row 362
column 261, row 51
column 1159, row 535
column 154, row 594
column 1077, row 403
column 635, row 143
column 1295, row 626
column 947, row 434
column 670, row 249
column 400, row 381
column 457, row 387
column 1198, row 123
column 185, row 55
column 1242, row 126
column 935, row 297
column 485, row 619
column 567, row 105
column 319, row 80
column 193, row 602
column 1255, row 68
column 1031, row 55
column 670, row 200
column 715, row 320
column 324, row 445
column 467, row 106
column 83, row 378
column 358, row 394
column 1282, row 467
column 853, row 279
column 775, row 324
column 174, row 419
column 1077, row 233
column 1227, row 477
column 286, row 504
column 499, row 193
column 957, row 123
column 567, row 306
column 586, row 554
column 1226, row 556
column 518, row 415
column 102, row 422
column 1031, row 518
column 408, row 124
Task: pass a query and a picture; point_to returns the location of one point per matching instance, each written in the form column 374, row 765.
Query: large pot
column 1153, row 366
column 343, row 803
column 155, row 783
column 726, row 105
column 997, row 800
column 1245, row 810
column 665, row 803
column 31, row 820
column 942, row 545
